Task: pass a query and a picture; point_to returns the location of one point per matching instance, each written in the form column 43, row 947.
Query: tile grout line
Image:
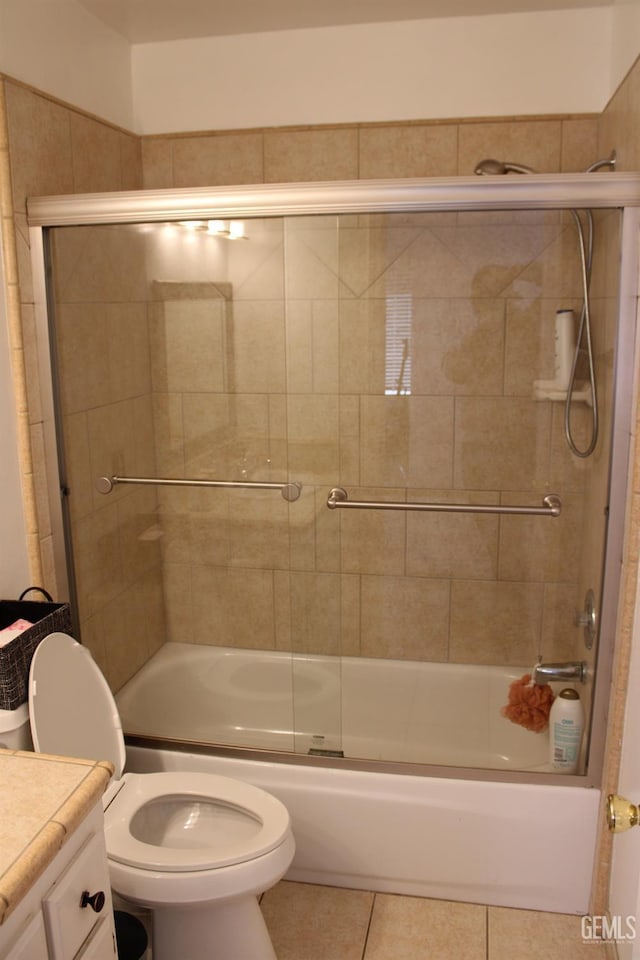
column 486, row 932
column 366, row 936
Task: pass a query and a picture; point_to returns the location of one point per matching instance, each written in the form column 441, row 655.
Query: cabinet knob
column 95, row 901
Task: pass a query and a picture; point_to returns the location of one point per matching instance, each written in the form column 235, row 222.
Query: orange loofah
column 529, row 704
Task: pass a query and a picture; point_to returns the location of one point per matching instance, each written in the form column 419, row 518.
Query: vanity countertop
column 42, row 800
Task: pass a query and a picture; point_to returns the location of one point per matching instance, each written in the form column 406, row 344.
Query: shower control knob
column 96, row 901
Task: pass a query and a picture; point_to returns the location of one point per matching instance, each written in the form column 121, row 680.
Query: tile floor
column 309, row 922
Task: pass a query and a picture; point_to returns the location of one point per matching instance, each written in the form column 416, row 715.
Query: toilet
column 196, row 848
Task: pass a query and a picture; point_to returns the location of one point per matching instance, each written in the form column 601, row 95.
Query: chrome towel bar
column 290, row 491
column 338, row 497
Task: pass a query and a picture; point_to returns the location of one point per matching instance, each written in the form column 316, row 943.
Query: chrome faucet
column 546, row 672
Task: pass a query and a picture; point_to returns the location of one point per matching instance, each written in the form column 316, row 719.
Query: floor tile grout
column 366, row 935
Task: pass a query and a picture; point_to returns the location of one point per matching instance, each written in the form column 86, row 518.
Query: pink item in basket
column 13, row 630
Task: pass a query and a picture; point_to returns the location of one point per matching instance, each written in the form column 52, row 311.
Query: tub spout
column 546, row 672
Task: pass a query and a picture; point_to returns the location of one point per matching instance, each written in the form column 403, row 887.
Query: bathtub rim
column 397, row 767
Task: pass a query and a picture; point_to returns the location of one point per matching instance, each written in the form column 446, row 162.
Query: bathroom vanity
column 55, row 899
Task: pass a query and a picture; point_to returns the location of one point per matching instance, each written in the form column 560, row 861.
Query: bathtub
column 487, row 841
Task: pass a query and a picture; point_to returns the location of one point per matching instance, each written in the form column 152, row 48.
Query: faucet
column 546, row 672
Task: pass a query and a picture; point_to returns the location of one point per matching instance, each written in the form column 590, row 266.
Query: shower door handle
column 289, row 491
column 551, row 506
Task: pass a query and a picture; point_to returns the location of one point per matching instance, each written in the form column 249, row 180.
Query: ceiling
column 149, row 21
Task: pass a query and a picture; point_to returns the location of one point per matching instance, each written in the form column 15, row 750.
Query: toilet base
column 227, row 930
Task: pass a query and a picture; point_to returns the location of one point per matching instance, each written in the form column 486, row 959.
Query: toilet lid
column 71, row 707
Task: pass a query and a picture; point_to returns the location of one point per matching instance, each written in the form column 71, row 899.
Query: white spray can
column 566, row 726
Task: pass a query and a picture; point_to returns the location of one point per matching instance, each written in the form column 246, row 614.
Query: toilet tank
column 15, row 732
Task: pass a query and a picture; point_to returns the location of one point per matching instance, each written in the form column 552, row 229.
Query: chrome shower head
column 498, row 167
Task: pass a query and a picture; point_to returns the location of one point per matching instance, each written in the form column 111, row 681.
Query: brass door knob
column 621, row 814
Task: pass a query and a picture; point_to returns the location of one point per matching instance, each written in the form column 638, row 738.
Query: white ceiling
column 148, row 21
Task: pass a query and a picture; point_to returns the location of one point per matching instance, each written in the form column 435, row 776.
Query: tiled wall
column 366, row 152
column 56, row 149
column 288, row 382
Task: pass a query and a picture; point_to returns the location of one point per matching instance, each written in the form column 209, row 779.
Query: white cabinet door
column 101, row 944
column 69, row 920
column 32, row 942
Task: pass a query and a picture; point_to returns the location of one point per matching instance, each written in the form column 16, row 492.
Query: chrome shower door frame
column 534, row 192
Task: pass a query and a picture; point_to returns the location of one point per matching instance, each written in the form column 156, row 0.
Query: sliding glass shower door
column 318, row 493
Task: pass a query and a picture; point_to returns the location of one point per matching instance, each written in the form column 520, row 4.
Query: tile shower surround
column 278, row 384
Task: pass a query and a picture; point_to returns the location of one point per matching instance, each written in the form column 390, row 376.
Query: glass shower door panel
column 429, row 349
column 170, row 341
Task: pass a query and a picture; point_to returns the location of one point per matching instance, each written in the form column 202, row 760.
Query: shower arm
column 289, row 491
column 552, row 506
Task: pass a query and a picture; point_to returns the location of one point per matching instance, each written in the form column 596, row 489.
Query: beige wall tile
column 315, row 600
column 177, row 367
column 177, row 589
column 495, row 623
column 312, row 259
column 136, row 628
column 452, row 545
column 256, row 348
column 40, row 138
column 79, row 476
column 540, row 548
column 128, row 346
column 372, row 541
column 362, row 346
column 96, row 155
column 243, row 603
column 406, row 441
column 428, row 268
column 216, row 160
column 530, row 342
column 168, row 432
column 579, row 144
column 561, row 638
column 365, row 253
column 415, row 150
column 225, row 436
column 291, row 156
column 157, row 163
column 83, row 355
column 501, row 443
column 31, row 368
column 404, row 928
column 457, row 347
column 97, row 560
column 258, row 531
column 404, row 618
column 313, row 438
column 138, row 529
column 533, row 143
column 255, row 268
column 130, row 162
column 112, row 446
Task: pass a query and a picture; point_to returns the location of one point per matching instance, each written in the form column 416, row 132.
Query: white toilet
column 194, row 847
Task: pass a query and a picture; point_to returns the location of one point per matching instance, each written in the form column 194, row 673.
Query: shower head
column 498, row 167
column 494, row 168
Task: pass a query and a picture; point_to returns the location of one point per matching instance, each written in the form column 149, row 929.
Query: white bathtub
column 412, row 711
column 502, row 843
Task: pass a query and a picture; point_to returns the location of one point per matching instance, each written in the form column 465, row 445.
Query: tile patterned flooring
column 311, row 922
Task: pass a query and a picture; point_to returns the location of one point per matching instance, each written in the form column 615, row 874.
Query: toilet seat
column 244, row 822
column 71, row 707
column 73, row 713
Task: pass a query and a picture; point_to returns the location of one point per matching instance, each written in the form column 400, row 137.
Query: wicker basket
column 15, row 656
